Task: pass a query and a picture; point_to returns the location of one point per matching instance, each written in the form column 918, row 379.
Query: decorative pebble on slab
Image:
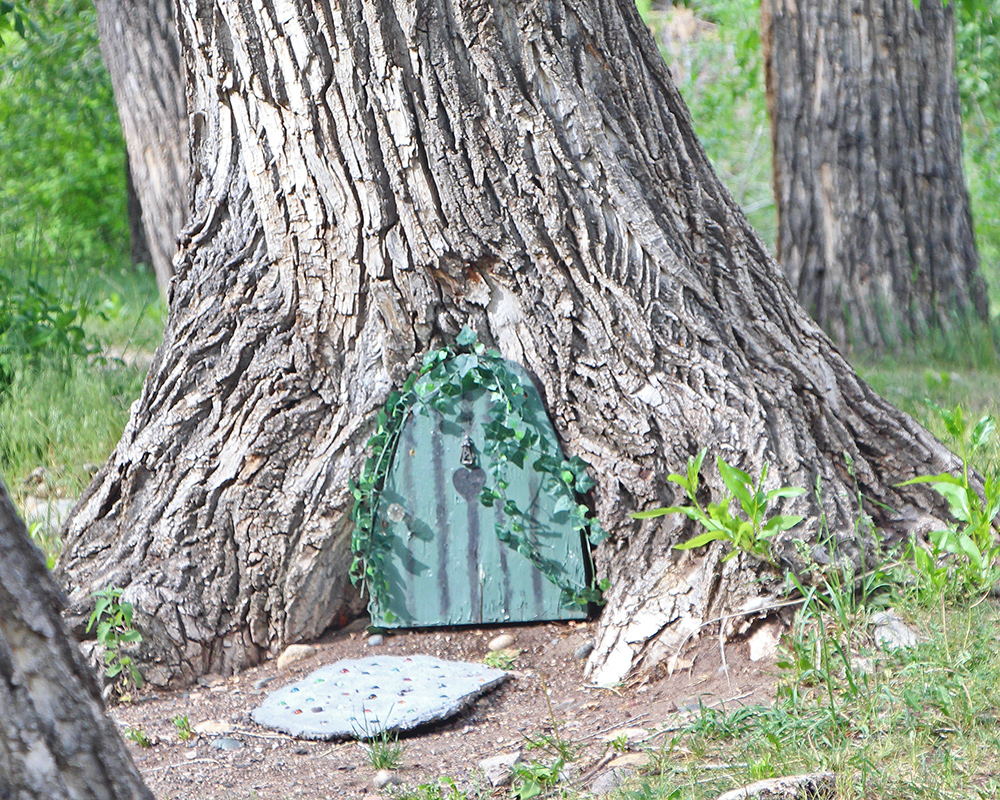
column 361, row 698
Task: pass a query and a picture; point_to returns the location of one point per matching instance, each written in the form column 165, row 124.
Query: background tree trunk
column 372, row 175
column 142, row 54
column 140, row 251
column 874, row 227
column 55, row 741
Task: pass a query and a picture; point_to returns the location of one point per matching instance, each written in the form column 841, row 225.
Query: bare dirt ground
column 267, row 764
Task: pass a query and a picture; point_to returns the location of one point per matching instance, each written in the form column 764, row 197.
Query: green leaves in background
column 36, row 324
column 62, row 158
column 14, row 17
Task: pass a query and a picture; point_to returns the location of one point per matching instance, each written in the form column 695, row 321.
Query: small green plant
column 752, row 534
column 444, row 789
column 533, row 778
column 139, row 736
column 183, row 726
column 502, row 659
column 969, row 544
column 113, row 617
column 619, row 744
column 536, row 777
column 384, row 751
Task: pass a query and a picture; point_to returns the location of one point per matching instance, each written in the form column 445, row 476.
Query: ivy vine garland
column 444, row 375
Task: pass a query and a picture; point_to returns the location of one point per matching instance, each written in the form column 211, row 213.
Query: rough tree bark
column 874, row 226
column 55, row 741
column 371, row 175
column 141, row 51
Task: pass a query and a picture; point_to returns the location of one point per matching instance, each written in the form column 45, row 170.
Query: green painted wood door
column 446, row 565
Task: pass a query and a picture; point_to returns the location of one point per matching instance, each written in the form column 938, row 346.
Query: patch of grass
column 919, row 722
column 63, row 420
column 73, row 309
column 384, row 751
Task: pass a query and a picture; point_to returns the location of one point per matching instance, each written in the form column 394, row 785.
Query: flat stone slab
column 362, row 698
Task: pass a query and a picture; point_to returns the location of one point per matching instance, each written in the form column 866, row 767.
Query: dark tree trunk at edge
column 874, row 227
column 370, row 177
column 55, row 741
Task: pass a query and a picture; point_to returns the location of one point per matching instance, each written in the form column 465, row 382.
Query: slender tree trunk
column 371, row 176
column 55, row 741
column 142, row 54
column 874, row 227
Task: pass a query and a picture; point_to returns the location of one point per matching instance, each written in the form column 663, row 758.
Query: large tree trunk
column 55, row 741
column 372, row 176
column 874, row 227
column 142, row 54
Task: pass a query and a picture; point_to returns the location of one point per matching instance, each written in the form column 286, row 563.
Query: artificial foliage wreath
column 444, row 376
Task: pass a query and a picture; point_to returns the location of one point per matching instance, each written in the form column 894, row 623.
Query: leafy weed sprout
column 140, row 737
column 535, row 778
column 751, row 534
column 113, row 617
column 444, row 789
column 963, row 556
column 504, row 659
column 183, row 726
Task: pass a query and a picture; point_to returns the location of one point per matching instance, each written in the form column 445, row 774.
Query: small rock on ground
column 891, row 632
column 225, row 743
column 763, row 642
column 583, row 651
column 375, row 640
column 813, row 786
column 501, row 642
column 295, row 653
column 608, row 781
column 212, row 726
column 630, row 760
column 500, row 769
column 385, row 778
